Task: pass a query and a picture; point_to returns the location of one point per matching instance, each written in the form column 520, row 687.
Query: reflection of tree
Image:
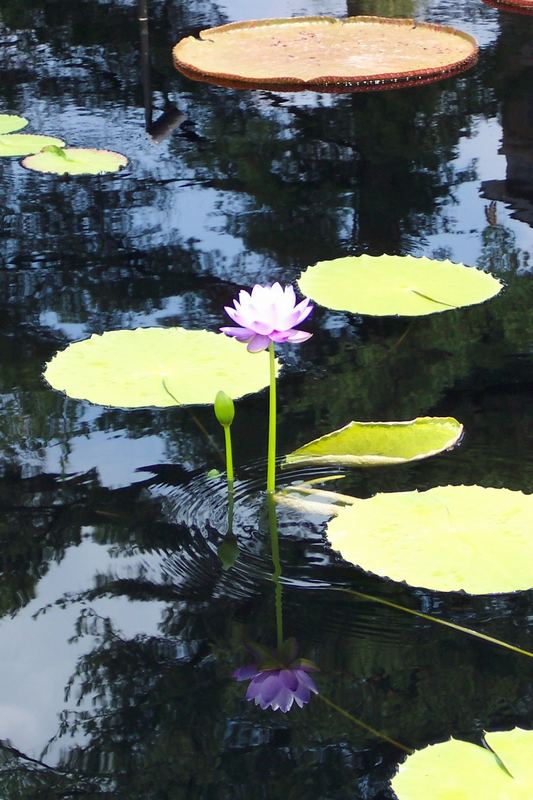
column 513, row 77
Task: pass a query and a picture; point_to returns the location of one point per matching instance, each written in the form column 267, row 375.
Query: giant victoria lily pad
column 457, row 770
column 157, row 367
column 376, row 444
column 396, row 285
column 450, row 538
column 321, row 52
column 517, row 6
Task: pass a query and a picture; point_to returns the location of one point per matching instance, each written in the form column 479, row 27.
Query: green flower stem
column 363, row 725
column 271, row 467
column 276, row 575
column 229, row 456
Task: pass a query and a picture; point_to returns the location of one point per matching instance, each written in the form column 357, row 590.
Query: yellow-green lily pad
column 396, row 285
column 457, row 770
column 376, row 444
column 14, row 145
column 11, row 122
column 157, row 367
column 75, row 161
column 450, row 538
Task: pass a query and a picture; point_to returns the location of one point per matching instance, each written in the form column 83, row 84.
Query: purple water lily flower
column 268, row 314
column 281, row 681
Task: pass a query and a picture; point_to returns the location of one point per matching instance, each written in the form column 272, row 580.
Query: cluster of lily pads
column 450, row 538
column 50, row 154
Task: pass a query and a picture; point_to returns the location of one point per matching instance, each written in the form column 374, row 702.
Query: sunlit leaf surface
column 318, row 51
column 75, row 161
column 11, row 122
column 396, row 285
column 22, row 144
column 374, row 444
column 457, row 770
column 157, row 367
column 449, row 538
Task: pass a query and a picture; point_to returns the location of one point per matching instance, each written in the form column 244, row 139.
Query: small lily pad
column 22, row 144
column 396, row 285
column 75, row 161
column 450, row 538
column 376, row 444
column 457, row 770
column 11, row 122
column 157, row 367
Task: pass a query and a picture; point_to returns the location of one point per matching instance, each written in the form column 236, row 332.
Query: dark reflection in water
column 112, row 584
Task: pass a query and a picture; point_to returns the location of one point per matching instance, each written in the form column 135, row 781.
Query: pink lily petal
column 258, row 343
column 297, row 337
column 241, row 334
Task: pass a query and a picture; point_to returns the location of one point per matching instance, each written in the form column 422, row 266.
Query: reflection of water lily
column 268, row 314
column 278, row 683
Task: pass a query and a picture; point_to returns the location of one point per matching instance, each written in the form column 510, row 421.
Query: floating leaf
column 396, row 285
column 375, row 444
column 11, row 122
column 22, row 144
column 75, row 161
column 456, row 770
column 156, row 367
column 450, row 538
column 303, row 52
column 517, row 6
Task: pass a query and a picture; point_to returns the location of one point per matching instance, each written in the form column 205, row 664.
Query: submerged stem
column 485, row 637
column 276, row 575
column 271, row 466
column 364, row 726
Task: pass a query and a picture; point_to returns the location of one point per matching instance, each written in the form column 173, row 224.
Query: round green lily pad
column 376, row 444
column 22, row 144
column 75, row 161
column 396, row 285
column 157, row 367
column 457, row 770
column 450, row 538
column 11, row 122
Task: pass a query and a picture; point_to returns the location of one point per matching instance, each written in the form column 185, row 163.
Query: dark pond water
column 119, row 629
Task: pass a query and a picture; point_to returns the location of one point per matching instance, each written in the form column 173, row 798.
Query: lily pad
column 456, row 770
column 75, row 161
column 304, row 52
column 516, row 6
column 11, row 122
column 156, row 367
column 450, row 538
column 396, row 285
column 22, row 144
column 376, row 444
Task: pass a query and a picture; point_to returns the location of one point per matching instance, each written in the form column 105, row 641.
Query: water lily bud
column 224, row 409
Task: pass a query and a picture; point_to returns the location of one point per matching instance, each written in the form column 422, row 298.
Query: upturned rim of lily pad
column 304, row 454
column 32, row 162
column 514, row 6
column 323, row 82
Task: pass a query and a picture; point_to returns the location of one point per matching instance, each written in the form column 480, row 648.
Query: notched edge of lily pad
column 333, row 84
column 444, row 306
column 146, row 406
column 299, row 456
